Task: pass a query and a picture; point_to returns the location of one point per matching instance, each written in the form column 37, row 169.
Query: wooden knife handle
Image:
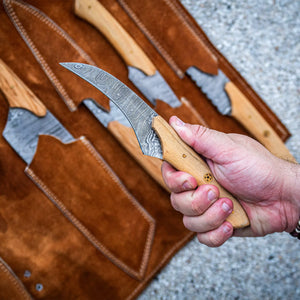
column 96, row 14
column 244, row 111
column 17, row 93
column 126, row 137
column 184, row 158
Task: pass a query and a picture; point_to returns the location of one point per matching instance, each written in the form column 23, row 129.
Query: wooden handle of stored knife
column 184, row 158
column 244, row 111
column 96, row 14
column 17, row 93
column 126, row 137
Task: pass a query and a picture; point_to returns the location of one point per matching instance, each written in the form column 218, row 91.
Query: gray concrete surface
column 261, row 38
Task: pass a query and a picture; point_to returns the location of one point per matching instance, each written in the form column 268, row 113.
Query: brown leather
column 34, row 233
column 11, row 286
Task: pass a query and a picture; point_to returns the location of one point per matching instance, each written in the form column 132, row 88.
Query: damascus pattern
column 213, row 87
column 137, row 112
column 23, row 128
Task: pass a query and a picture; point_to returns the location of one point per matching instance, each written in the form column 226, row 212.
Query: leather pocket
column 83, row 187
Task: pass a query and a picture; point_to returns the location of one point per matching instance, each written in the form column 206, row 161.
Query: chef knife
column 229, row 100
column 27, row 117
column 141, row 71
column 154, row 134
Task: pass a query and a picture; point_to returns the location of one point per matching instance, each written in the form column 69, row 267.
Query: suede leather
column 34, row 233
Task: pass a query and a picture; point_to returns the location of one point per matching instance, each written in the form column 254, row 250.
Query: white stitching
column 98, row 245
column 42, row 17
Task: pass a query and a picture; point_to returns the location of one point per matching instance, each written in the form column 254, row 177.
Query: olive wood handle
column 96, row 14
column 17, row 93
column 251, row 119
column 184, row 158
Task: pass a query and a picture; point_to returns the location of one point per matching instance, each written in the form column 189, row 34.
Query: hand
column 266, row 186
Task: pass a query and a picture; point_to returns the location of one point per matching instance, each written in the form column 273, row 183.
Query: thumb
column 209, row 143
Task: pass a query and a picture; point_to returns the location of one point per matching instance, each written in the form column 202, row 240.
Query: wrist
column 290, row 194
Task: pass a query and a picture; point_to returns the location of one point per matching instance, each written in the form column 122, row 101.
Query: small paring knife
column 229, row 100
column 156, row 137
column 141, row 71
column 27, row 117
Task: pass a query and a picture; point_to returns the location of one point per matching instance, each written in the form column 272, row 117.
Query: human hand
column 265, row 185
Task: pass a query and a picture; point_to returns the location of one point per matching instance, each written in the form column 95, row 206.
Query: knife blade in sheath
column 229, row 100
column 155, row 136
column 27, row 117
column 120, row 128
column 141, row 71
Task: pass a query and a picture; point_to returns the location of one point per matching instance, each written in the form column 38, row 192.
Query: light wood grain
column 96, row 14
column 17, row 93
column 244, row 111
column 127, row 138
column 184, row 158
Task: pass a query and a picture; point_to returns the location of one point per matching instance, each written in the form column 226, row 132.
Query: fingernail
column 226, row 228
column 186, row 185
column 211, row 195
column 226, row 208
column 179, row 123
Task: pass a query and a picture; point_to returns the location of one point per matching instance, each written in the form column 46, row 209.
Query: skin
column 266, row 186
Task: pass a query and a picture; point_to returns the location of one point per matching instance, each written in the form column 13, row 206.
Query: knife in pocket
column 155, row 136
column 120, row 128
column 141, row 71
column 27, row 117
column 229, row 100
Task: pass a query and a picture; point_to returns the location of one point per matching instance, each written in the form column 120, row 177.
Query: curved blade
column 137, row 112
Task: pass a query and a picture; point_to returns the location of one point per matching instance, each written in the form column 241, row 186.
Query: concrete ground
column 262, row 40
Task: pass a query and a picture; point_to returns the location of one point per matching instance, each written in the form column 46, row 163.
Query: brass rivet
column 184, row 155
column 266, row 133
column 208, row 177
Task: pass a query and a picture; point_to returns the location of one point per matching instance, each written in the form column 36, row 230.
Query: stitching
column 202, row 38
column 146, row 216
column 14, row 279
column 169, row 59
column 77, row 223
column 43, row 18
column 162, row 262
column 98, row 245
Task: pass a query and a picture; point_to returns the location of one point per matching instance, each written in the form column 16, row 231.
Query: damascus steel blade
column 105, row 117
column 137, row 112
column 153, row 87
column 23, row 128
column 213, row 87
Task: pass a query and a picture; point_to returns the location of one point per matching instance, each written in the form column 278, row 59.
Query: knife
column 27, row 117
column 155, row 136
column 229, row 100
column 120, row 128
column 141, row 71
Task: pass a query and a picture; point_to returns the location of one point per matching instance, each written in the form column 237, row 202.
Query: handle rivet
column 184, row 155
column 208, row 177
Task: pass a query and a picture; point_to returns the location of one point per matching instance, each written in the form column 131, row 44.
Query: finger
column 211, row 219
column 177, row 181
column 195, row 202
column 205, row 141
column 217, row 237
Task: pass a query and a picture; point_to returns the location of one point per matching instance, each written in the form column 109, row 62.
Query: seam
column 169, row 59
column 146, row 216
column 173, row 4
column 14, row 279
column 50, row 23
column 160, row 265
